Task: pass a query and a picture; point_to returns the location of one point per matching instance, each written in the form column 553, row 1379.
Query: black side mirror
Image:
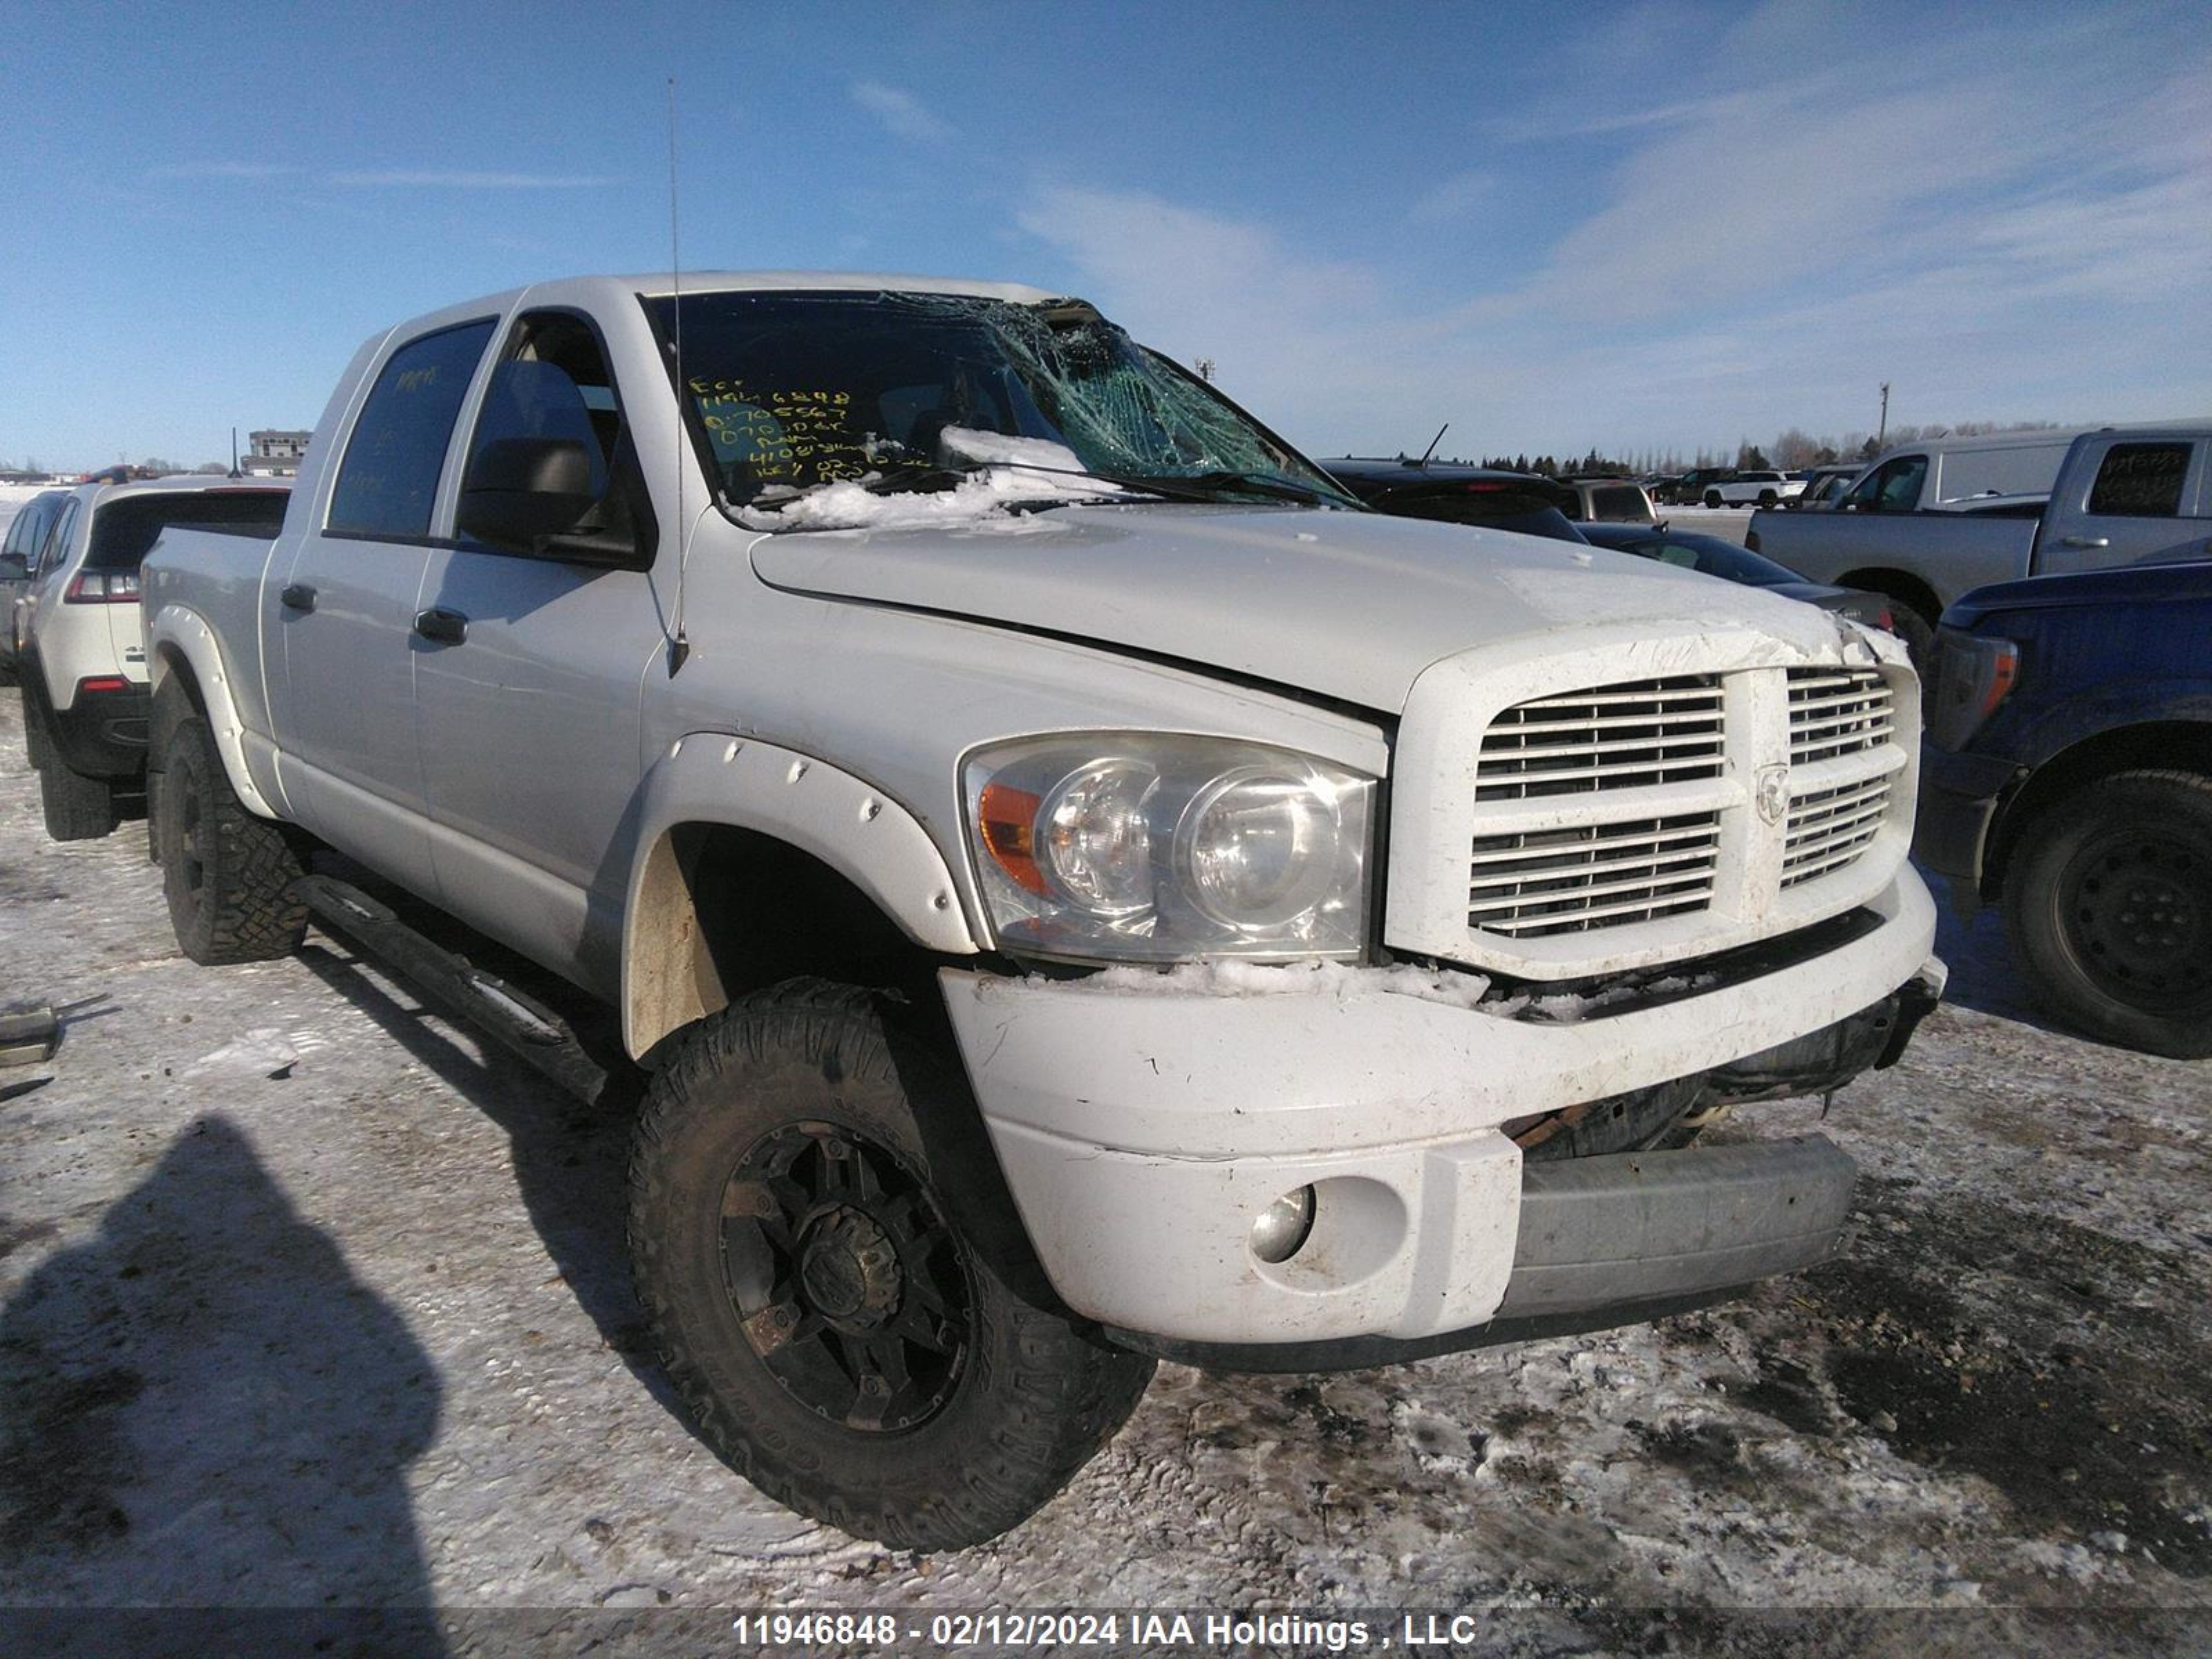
column 14, row 565
column 519, row 489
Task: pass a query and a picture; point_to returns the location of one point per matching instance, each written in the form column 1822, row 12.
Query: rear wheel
column 840, row 1342
column 2109, row 903
column 36, row 742
column 227, row 874
column 1713, row 498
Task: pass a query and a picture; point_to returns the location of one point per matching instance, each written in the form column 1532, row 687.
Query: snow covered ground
column 307, row 1301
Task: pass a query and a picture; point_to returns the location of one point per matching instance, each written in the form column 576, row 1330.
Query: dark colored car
column 1689, row 489
column 1523, row 503
column 2067, row 775
column 27, row 534
column 1712, row 556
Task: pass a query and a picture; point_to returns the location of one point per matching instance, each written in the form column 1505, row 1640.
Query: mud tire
column 1033, row 1398
column 227, row 874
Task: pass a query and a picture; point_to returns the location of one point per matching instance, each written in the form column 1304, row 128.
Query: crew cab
column 2069, row 779
column 82, row 656
column 1752, row 488
column 2118, row 493
column 1086, row 890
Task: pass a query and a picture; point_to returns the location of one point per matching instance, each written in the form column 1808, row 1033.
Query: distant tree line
column 1789, row 450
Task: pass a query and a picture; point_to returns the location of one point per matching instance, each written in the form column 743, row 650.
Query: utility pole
column 1204, row 368
column 1884, row 432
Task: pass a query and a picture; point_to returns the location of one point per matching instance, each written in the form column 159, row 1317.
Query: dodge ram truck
column 1085, row 890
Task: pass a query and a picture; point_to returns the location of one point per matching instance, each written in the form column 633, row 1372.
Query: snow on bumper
column 1142, row 1133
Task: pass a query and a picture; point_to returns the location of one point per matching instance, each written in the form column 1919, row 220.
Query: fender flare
column 871, row 840
column 174, row 633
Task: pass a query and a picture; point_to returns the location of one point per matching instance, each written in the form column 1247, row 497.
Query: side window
column 1893, row 488
column 48, row 553
column 554, row 383
column 2140, row 481
column 388, row 481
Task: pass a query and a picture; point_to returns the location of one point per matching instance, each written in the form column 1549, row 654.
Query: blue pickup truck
column 2067, row 776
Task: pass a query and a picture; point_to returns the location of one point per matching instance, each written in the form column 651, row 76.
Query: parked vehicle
column 1609, row 501
column 27, row 537
column 1709, row 556
column 957, row 741
column 83, row 654
column 1526, row 503
column 1689, row 489
column 2069, row 778
column 1824, row 487
column 1916, row 476
column 1757, row 488
column 2120, row 492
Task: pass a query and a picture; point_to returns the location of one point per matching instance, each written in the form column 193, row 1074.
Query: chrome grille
column 1837, row 711
column 1630, row 736
column 1830, row 828
column 1589, row 876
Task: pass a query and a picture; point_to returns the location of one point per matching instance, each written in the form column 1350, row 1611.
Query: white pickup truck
column 1086, row 889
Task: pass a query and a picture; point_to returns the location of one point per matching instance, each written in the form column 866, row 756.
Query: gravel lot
column 306, row 1302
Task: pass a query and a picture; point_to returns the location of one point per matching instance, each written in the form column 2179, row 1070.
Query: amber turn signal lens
column 1008, row 818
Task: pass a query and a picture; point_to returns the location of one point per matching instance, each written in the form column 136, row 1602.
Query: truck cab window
column 388, row 481
column 554, row 382
column 1893, row 488
column 2140, row 481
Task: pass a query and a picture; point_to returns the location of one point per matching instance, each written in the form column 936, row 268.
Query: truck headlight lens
column 1972, row 674
column 1149, row 847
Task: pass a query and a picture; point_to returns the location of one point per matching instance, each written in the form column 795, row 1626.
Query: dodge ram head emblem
column 1772, row 793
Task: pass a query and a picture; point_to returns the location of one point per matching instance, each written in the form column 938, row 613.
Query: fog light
column 1280, row 1231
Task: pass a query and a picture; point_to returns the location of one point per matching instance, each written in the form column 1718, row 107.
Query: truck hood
column 1353, row 605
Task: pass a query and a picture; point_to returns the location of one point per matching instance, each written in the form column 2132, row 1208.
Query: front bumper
column 1961, row 795
column 1141, row 1132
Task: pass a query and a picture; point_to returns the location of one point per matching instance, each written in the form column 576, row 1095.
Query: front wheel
column 2109, row 904
column 840, row 1342
column 1767, row 498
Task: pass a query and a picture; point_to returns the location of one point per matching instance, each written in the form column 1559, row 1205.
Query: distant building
column 276, row 454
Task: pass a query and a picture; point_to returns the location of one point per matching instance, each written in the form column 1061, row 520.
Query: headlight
column 1972, row 674
column 1146, row 846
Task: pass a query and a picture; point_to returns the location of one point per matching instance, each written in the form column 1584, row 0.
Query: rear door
column 2125, row 497
column 344, row 611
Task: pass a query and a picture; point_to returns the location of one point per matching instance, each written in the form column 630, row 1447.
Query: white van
column 1913, row 477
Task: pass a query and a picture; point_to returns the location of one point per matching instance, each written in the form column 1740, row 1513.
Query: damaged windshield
column 913, row 391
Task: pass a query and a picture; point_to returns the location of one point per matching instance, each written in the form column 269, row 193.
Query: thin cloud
column 224, row 170
column 1448, row 201
column 902, row 115
column 436, row 178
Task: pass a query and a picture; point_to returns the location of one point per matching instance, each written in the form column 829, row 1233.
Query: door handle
column 298, row 597
column 444, row 626
column 2085, row 541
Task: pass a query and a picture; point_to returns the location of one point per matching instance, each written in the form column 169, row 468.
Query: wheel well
column 722, row 911
column 2163, row 745
column 1901, row 585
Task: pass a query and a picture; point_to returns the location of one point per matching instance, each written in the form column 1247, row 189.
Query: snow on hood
column 1011, row 470
column 1354, row 605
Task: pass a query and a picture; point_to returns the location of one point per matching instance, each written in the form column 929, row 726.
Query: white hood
column 1353, row 605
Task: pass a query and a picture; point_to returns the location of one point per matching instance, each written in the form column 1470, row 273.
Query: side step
column 517, row 1021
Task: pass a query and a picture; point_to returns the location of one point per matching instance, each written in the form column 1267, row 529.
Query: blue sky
column 1556, row 227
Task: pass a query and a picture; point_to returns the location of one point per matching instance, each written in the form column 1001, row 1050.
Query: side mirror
column 519, row 489
column 14, row 567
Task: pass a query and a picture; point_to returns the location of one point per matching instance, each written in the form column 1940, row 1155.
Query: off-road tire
column 77, row 808
column 1033, row 1396
column 227, row 874
column 2108, row 902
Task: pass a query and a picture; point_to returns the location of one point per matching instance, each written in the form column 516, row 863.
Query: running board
column 517, row 1021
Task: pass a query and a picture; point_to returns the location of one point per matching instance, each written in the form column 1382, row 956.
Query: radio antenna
column 679, row 647
column 1433, row 442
